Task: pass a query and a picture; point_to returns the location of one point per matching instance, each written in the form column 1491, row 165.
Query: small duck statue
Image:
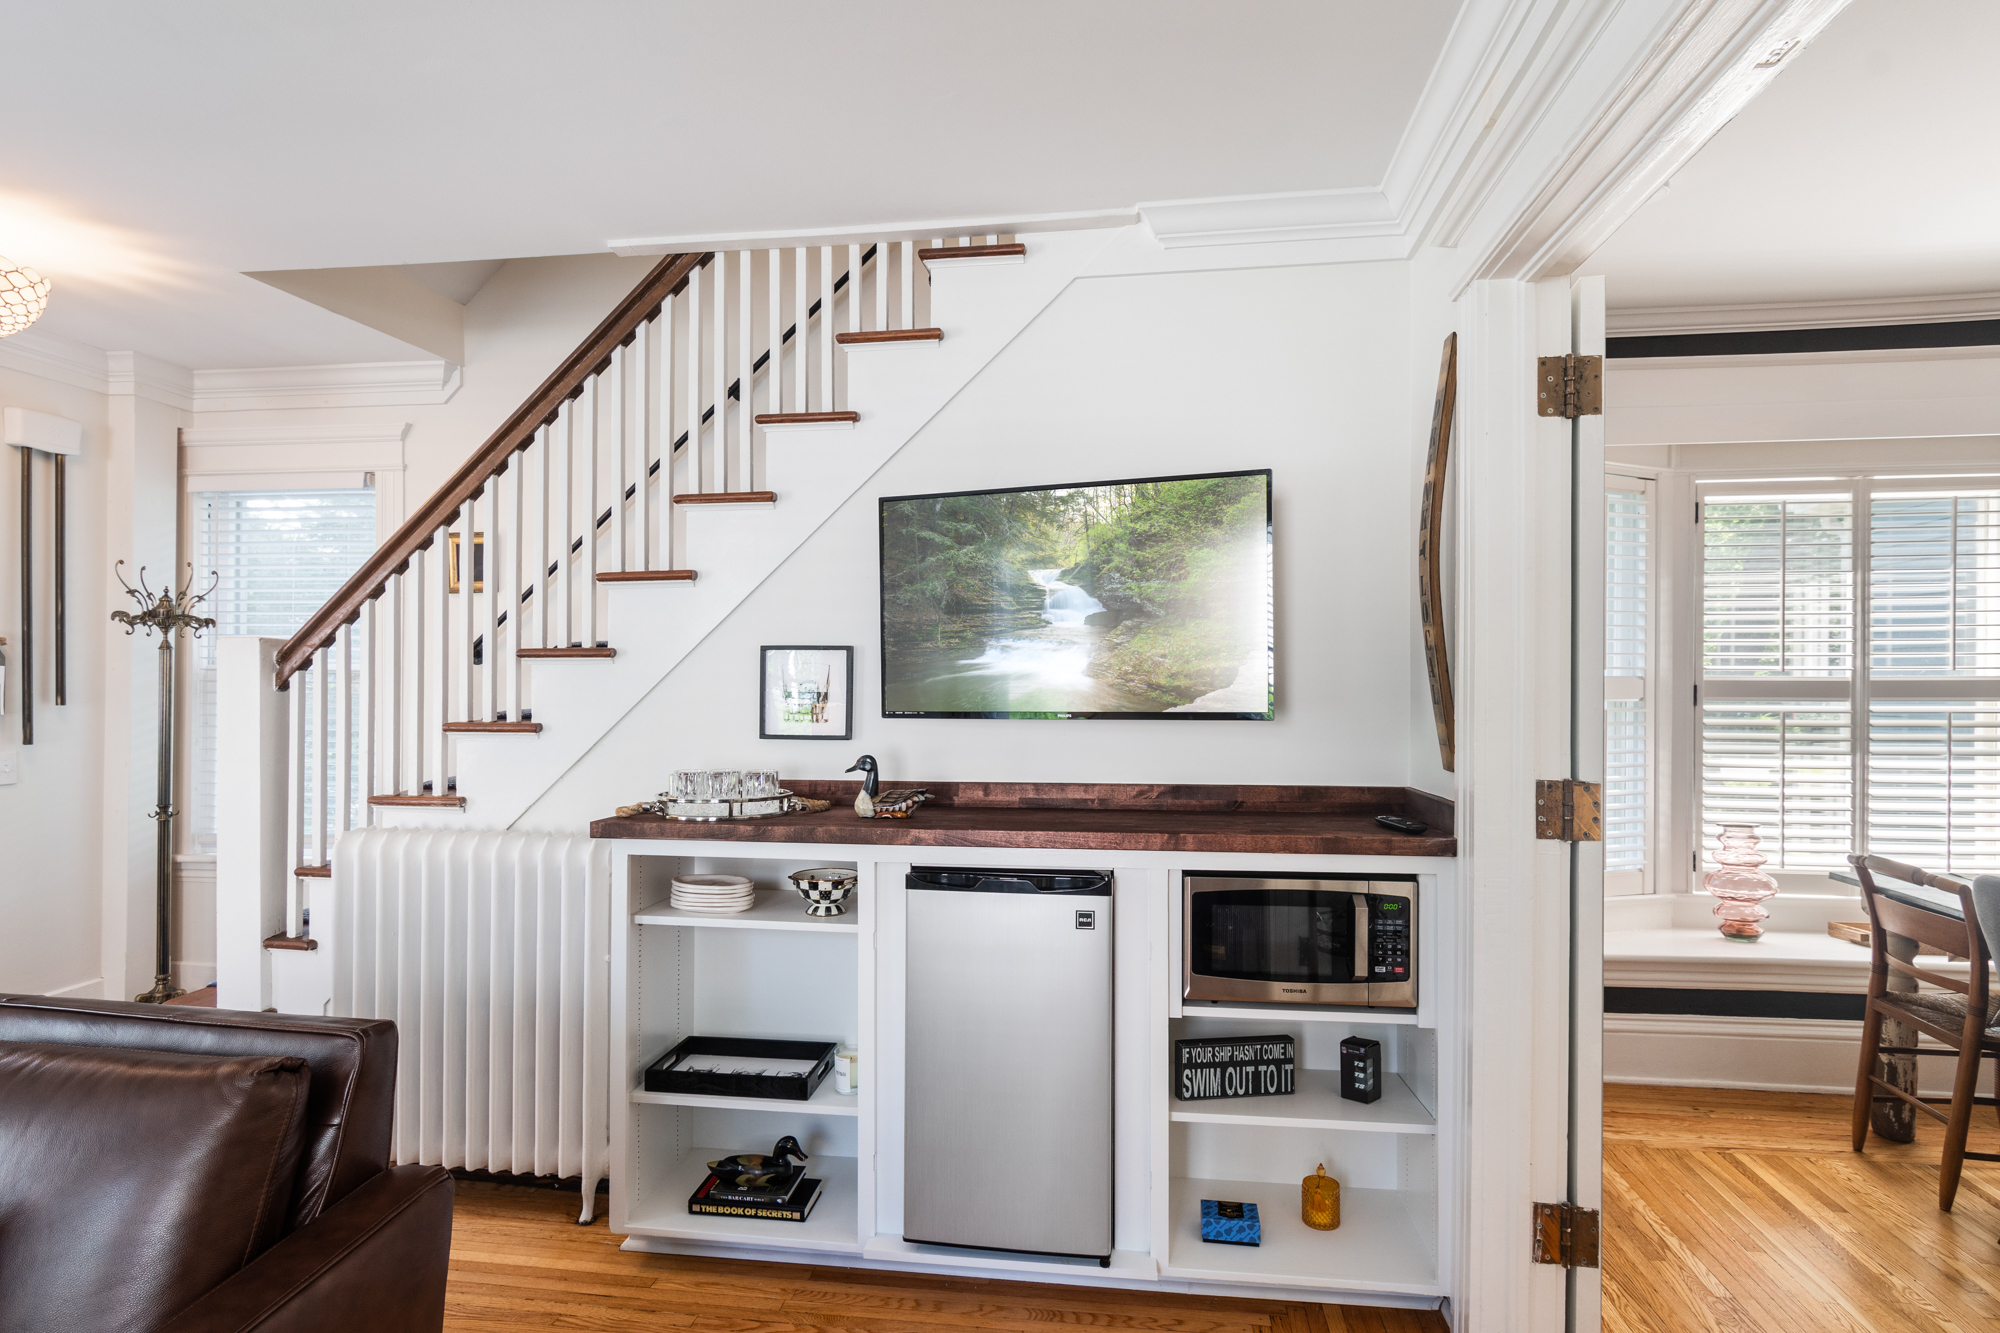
column 872, row 803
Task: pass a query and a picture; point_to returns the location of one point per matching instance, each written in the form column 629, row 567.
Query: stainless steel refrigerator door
column 1007, row 1118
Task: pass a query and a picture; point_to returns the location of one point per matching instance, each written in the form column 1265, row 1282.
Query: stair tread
column 889, row 336
column 726, row 498
column 507, row 728
column 803, row 418
column 971, row 251
column 457, row 801
column 536, row 654
column 639, row 576
column 313, row 872
column 290, row 942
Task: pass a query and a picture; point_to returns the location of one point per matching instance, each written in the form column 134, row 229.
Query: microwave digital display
column 1300, row 941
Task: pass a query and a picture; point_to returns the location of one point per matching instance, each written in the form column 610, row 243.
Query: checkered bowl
column 826, row 890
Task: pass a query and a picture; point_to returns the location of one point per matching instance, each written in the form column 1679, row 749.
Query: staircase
column 710, row 424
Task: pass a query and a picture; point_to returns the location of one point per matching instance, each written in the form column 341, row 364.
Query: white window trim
column 1647, row 879
column 229, row 458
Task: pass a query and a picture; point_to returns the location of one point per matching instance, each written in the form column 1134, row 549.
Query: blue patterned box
column 1228, row 1223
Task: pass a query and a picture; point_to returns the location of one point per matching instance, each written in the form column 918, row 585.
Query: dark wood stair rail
column 417, row 533
column 668, row 277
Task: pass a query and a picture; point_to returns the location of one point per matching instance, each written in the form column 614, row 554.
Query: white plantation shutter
column 278, row 556
column 1777, row 730
column 1627, row 666
column 1829, row 749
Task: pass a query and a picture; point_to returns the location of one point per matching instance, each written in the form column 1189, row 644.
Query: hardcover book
column 797, row 1209
column 779, row 1189
column 1225, row 1222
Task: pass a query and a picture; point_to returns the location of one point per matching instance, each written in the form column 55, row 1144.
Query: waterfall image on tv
column 1147, row 598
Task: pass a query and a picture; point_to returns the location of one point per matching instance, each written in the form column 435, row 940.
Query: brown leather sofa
column 182, row 1170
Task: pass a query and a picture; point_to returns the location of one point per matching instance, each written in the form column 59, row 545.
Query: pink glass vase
column 1740, row 884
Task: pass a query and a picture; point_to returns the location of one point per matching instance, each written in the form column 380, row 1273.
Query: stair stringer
column 898, row 389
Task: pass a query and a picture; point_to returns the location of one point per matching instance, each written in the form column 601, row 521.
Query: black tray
column 661, row 1076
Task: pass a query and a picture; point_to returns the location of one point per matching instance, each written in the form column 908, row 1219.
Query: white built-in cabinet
column 776, row 972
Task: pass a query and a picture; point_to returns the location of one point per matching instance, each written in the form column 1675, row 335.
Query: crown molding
column 357, row 384
column 858, row 235
column 1308, row 215
column 141, row 376
column 1756, row 317
column 78, row 365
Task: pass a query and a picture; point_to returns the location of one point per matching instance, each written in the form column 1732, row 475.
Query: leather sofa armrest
column 376, row 1260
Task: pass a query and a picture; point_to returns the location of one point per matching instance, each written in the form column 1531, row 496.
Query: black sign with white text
column 1206, row 1068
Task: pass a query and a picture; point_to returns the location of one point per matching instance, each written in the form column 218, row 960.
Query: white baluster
column 499, row 541
column 663, row 550
column 881, row 284
column 420, row 649
column 393, row 667
column 774, row 369
column 440, row 687
column 826, row 329
column 371, row 667
column 615, row 381
column 801, row 330
column 565, row 526
column 343, row 739
column 321, row 781
column 593, row 495
column 642, row 364
column 470, row 566
column 697, row 480
column 542, row 448
column 718, row 358
column 906, row 251
column 295, row 835
column 517, row 610
column 746, row 357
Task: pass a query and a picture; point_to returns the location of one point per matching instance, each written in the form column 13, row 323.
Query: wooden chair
column 1939, row 913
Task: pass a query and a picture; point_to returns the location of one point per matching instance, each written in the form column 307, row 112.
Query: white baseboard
column 92, row 989
column 1758, row 1054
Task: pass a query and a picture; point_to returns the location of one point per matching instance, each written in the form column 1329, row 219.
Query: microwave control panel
column 1388, row 938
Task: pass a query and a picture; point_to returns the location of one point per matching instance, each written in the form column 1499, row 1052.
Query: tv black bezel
column 1270, row 713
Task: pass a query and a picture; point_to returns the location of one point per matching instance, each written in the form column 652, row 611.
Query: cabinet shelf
column 1277, row 1013
column 775, row 909
column 824, row 1101
column 662, row 1209
column 1317, row 1104
column 1376, row 1248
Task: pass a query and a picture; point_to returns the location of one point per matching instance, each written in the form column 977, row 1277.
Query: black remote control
column 1400, row 824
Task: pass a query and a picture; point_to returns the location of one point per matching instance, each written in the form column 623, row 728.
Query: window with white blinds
column 278, row 556
column 1827, row 748
column 1628, row 727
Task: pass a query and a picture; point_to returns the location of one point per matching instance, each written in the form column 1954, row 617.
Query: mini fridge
column 1007, row 1065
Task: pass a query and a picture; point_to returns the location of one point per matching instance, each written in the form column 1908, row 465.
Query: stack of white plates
column 713, row 894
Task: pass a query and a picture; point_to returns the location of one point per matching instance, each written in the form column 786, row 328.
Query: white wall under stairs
column 896, row 389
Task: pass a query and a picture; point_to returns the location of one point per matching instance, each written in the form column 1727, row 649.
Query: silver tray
column 707, row 812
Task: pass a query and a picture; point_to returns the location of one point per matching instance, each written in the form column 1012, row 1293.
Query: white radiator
column 491, row 951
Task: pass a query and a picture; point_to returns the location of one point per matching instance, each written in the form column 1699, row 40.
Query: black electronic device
column 1300, row 939
column 1401, row 825
column 1361, row 1069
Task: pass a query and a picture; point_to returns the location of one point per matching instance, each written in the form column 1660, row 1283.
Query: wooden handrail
column 515, row 434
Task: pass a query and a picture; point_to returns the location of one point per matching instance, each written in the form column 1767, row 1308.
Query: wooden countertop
column 1297, row 821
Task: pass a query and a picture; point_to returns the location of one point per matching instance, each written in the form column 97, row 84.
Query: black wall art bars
column 33, row 433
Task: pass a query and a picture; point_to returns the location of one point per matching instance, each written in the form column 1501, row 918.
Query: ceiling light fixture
column 24, row 295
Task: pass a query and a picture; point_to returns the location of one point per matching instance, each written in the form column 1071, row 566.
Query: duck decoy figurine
column 873, row 803
column 756, row 1170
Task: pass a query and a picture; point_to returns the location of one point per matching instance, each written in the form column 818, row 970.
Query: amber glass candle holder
column 1319, row 1200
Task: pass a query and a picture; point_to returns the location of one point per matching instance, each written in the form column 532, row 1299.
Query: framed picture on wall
column 806, row 693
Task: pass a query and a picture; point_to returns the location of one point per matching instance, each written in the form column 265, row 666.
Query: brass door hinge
column 1569, row 386
column 1569, row 811
column 1565, row 1234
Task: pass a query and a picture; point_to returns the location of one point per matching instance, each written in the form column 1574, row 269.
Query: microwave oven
column 1306, row 940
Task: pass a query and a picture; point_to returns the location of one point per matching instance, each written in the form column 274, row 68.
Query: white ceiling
column 1869, row 169
column 154, row 153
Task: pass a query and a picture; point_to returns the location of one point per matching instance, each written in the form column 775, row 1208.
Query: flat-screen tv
column 1146, row 598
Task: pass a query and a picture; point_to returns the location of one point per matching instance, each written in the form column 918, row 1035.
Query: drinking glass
column 688, row 785
column 725, row 784
column 759, row 784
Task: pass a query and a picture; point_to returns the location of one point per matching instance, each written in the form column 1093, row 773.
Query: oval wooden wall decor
column 1430, row 527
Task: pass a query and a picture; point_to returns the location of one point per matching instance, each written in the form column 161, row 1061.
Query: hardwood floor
column 1725, row 1212
column 1748, row 1212
column 519, row 1261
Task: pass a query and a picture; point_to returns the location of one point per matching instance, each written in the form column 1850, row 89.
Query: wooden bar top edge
column 1286, row 820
